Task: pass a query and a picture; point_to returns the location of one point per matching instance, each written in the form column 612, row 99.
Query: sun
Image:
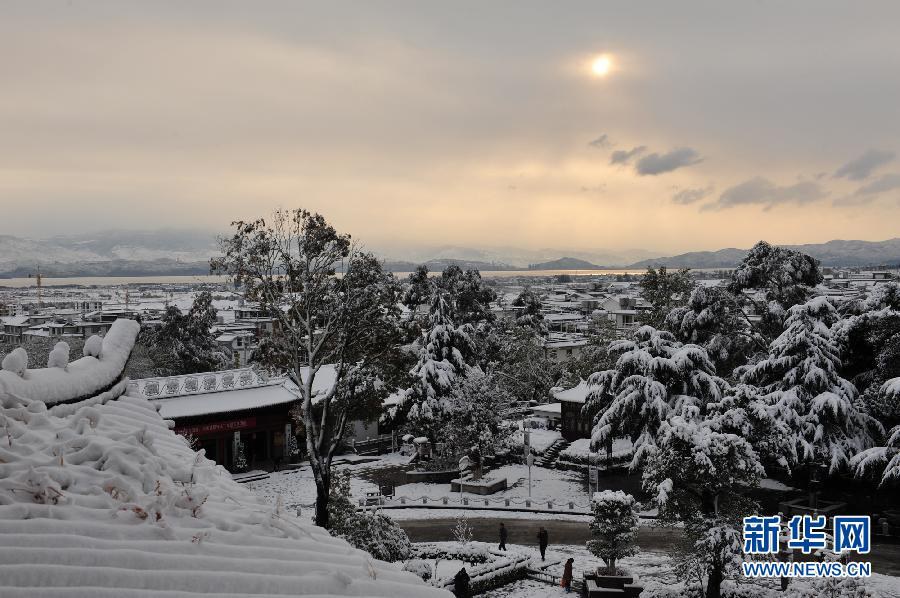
column 601, row 65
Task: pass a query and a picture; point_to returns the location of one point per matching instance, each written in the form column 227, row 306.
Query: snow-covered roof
column 100, row 499
column 227, row 401
column 81, row 377
column 14, row 320
column 548, row 409
column 576, row 394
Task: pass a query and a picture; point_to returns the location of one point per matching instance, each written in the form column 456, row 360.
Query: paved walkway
column 885, row 558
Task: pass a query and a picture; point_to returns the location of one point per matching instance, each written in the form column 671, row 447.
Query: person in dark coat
column 566, row 581
column 503, row 535
column 461, row 587
column 543, row 540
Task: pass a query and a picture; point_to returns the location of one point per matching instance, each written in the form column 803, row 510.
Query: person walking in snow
column 461, row 587
column 503, row 535
column 566, row 581
column 543, row 540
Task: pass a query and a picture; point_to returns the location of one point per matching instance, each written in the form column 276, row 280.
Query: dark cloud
column 689, row 196
column 601, row 142
column 862, row 167
column 888, row 182
column 762, row 191
column 625, row 156
column 680, row 157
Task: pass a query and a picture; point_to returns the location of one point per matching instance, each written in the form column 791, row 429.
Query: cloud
column 862, row 167
column 601, row 142
column 625, row 156
column 887, row 182
column 688, row 196
column 654, row 164
column 762, row 191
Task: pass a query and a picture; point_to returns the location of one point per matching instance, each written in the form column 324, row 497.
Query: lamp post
column 529, row 458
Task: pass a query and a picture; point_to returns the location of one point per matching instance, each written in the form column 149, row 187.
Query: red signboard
column 217, row 427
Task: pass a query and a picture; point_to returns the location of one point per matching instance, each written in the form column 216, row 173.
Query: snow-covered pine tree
column 800, row 379
column 770, row 280
column 184, row 344
column 698, row 476
column 445, row 355
column 655, row 377
column 713, row 319
column 530, row 315
column 478, row 409
column 664, row 290
column 883, row 460
column 869, row 337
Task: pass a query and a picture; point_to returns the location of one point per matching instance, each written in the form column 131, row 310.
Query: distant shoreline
column 88, row 281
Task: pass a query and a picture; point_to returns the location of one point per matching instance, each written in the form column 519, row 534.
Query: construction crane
column 38, row 277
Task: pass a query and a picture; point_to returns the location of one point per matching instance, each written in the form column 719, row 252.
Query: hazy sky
column 471, row 123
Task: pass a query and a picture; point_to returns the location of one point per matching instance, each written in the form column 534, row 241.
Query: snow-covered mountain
column 109, row 253
column 832, row 253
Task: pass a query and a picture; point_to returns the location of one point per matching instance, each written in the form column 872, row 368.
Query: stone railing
column 194, row 384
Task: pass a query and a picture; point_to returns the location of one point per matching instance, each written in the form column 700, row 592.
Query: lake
column 111, row 281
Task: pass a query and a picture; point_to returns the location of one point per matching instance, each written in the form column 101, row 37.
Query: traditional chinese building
column 220, row 408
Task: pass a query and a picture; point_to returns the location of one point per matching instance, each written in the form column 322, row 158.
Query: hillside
column 565, row 263
column 833, row 253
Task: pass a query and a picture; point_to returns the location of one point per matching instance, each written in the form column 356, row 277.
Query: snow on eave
column 576, row 394
column 83, row 377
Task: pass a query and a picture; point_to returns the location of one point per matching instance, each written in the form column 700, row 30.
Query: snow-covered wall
column 83, row 377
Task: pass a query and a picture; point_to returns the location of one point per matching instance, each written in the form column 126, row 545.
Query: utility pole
column 39, row 279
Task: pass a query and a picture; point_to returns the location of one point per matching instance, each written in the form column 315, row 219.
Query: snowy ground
column 652, row 570
column 540, row 439
column 296, row 487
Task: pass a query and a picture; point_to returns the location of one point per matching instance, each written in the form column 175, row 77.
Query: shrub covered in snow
column 419, row 567
column 614, row 527
column 373, row 532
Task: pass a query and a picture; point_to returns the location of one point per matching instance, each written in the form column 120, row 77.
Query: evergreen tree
column 521, row 366
column 447, row 353
column 664, row 290
column 800, row 379
column 655, row 377
column 869, row 337
column 530, row 316
column 713, row 319
column 479, row 409
column 698, row 476
column 784, row 277
column 185, row 344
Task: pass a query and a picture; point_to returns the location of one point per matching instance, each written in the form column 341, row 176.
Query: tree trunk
column 714, row 584
column 611, row 566
column 322, row 491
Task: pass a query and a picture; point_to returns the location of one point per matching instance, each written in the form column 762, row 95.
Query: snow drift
column 100, row 498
